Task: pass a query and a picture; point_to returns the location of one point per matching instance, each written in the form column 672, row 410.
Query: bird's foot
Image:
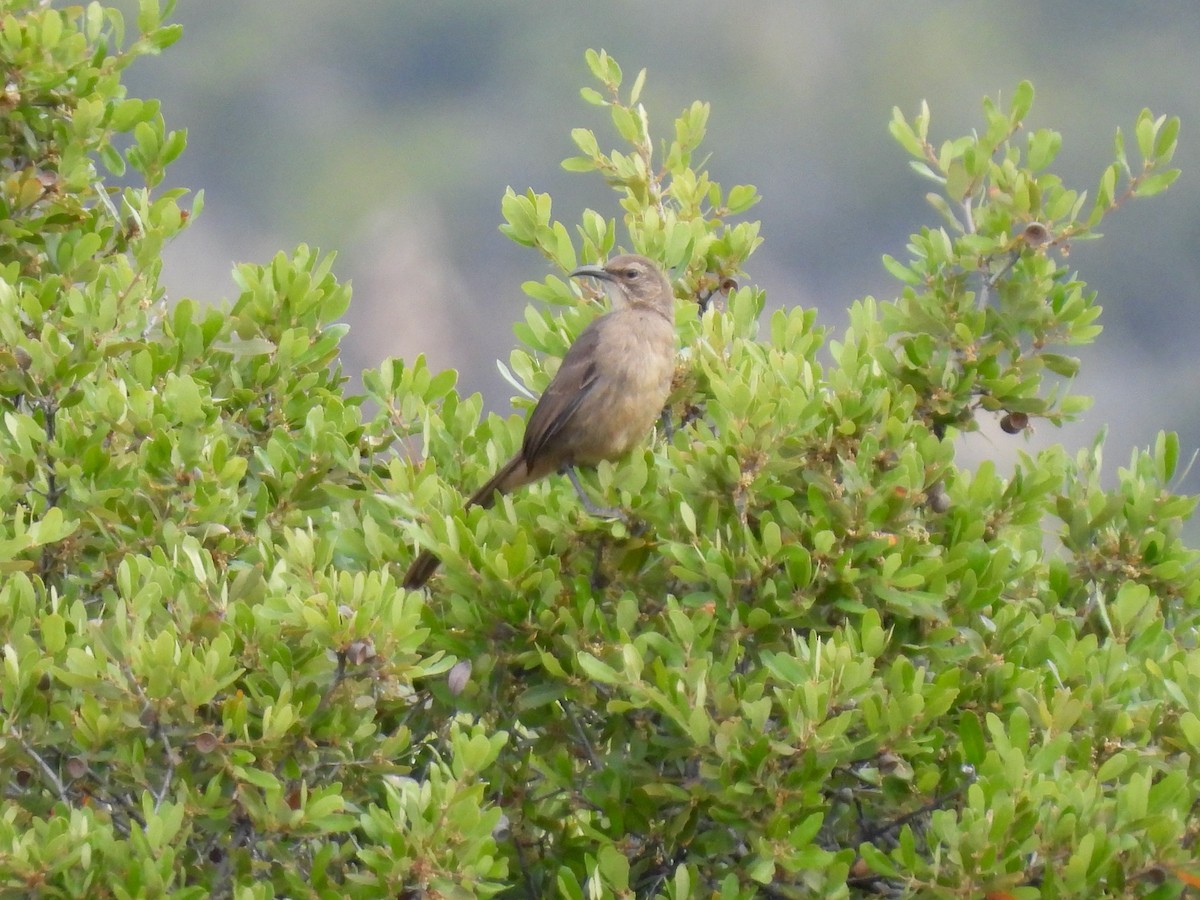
column 602, row 512
column 607, row 512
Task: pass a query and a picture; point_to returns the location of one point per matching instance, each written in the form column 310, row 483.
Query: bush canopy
column 820, row 659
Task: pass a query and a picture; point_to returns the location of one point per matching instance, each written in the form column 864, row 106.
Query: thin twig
column 935, row 804
column 50, row 773
column 664, row 872
column 526, row 875
column 160, row 732
column 587, row 745
column 114, row 805
column 990, row 281
column 338, row 677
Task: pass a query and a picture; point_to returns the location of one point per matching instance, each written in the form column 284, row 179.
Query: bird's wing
column 567, row 390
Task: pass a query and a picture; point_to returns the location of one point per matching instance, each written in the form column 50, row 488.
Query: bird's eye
column 631, row 274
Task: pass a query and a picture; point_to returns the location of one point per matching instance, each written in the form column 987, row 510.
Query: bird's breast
column 632, row 383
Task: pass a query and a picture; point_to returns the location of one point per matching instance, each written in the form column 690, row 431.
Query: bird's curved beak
column 593, row 271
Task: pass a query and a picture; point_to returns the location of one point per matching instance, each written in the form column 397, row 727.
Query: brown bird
column 608, row 391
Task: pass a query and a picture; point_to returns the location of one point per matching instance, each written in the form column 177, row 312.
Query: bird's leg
column 668, row 426
column 603, row 512
column 599, row 581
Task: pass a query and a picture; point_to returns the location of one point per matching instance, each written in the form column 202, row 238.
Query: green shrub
column 822, row 659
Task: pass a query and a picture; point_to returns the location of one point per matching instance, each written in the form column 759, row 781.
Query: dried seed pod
column 459, row 675
column 937, row 498
column 360, row 651
column 502, row 829
column 1014, row 422
column 1035, row 234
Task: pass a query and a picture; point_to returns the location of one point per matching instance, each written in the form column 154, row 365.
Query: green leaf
column 760, row 869
column 1075, row 874
column 1144, row 130
column 1166, row 455
column 626, row 123
column 112, row 159
column 1108, row 186
column 260, row 779
column 1022, row 101
column 614, row 867
column 959, row 182
column 1189, row 724
column 1043, row 147
column 184, row 400
column 904, row 135
column 130, row 112
column 1067, row 366
column 149, row 15
column 595, row 63
column 1115, row 766
column 742, row 197
column 1119, row 151
column 922, row 169
column 1166, row 141
column 53, row 527
column 899, row 271
column 786, row 668
column 636, row 91
column 52, row 28
column 1156, row 183
column 596, row 670
column 877, row 860
column 592, row 96
column 54, row 633
column 562, row 250
column 585, row 140
column 970, row 733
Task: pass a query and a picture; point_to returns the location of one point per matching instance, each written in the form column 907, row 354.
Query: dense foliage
column 821, row 659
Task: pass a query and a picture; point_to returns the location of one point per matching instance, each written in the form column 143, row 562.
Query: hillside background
column 388, row 131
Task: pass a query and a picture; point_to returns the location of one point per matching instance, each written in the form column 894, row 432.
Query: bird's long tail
column 510, row 475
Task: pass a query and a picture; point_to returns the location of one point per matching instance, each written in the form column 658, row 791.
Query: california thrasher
column 608, row 391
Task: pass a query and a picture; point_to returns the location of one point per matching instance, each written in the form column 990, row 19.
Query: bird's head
column 634, row 281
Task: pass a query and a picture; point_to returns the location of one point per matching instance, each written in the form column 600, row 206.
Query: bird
column 609, row 390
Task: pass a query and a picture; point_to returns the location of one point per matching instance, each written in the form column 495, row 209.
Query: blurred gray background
column 388, row 131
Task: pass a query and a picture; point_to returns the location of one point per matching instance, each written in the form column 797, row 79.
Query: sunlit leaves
column 819, row 654
column 1002, row 280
